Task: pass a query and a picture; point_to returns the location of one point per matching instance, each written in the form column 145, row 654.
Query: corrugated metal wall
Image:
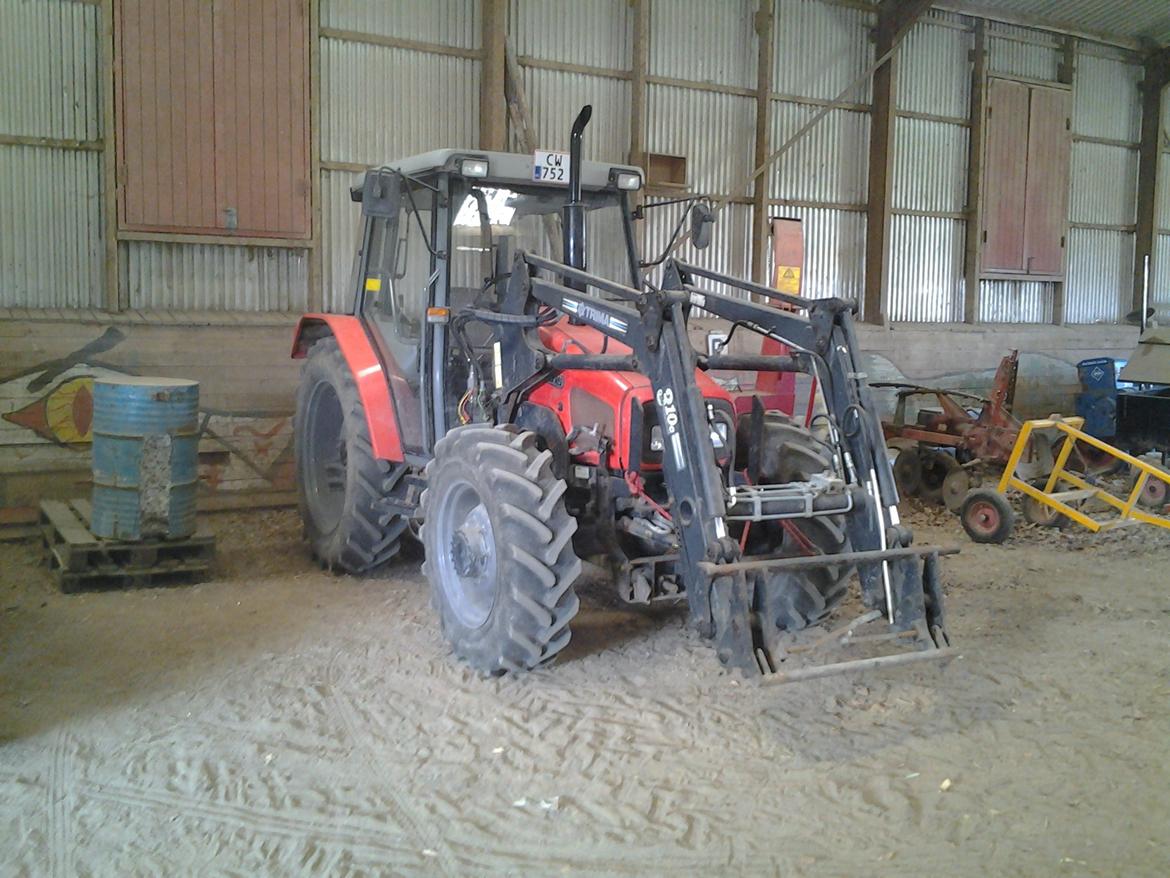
column 930, row 171
column 818, row 50
column 379, row 103
column 1160, row 270
column 1106, row 105
column 50, row 208
column 192, row 277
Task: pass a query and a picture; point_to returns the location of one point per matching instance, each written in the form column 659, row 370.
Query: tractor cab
column 439, row 233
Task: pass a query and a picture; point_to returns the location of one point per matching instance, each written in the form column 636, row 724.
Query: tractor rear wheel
column 795, row 600
column 499, row 552
column 353, row 505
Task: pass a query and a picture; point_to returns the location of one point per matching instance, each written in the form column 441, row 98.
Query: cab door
column 396, row 273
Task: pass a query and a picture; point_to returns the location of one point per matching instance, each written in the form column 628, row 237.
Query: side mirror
column 382, row 194
column 702, row 219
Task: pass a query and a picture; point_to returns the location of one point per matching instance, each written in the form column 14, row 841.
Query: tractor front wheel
column 352, row 504
column 796, row 600
column 499, row 553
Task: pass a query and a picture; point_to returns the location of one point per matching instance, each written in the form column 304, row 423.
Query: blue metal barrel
column 145, row 457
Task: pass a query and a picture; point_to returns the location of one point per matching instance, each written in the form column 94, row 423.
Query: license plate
column 550, row 167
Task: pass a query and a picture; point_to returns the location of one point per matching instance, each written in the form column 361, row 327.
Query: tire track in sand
column 359, row 734
column 240, row 817
column 60, row 786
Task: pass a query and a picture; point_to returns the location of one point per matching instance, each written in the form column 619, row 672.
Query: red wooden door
column 212, row 102
column 163, row 101
column 1005, row 174
column 1049, row 155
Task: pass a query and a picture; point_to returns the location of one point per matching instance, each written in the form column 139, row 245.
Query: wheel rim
column 467, row 554
column 1154, row 492
column 983, row 517
column 325, row 458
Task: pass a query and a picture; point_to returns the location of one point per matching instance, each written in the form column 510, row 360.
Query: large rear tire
column 499, row 552
column 353, row 505
column 792, row 601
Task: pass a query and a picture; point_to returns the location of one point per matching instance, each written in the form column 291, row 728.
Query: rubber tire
column 936, row 466
column 528, row 624
column 792, row 454
column 908, row 472
column 976, row 500
column 374, row 513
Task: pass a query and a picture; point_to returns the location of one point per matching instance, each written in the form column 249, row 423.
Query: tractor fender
column 368, row 372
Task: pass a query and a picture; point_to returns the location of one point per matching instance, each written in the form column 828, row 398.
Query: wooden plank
column 493, row 120
column 894, row 19
column 66, row 522
column 640, row 54
column 316, row 292
column 84, row 510
column 111, row 294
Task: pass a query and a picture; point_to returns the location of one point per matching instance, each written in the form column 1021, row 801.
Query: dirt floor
column 282, row 721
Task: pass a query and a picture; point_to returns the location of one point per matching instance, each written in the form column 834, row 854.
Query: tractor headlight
column 627, row 180
column 656, row 443
column 473, row 167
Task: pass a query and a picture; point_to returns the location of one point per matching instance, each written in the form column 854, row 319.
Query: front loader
column 518, row 414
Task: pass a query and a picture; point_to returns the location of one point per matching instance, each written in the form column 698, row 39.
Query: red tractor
column 517, row 414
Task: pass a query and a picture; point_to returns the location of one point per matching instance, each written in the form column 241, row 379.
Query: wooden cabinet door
column 1005, row 176
column 163, row 101
column 212, row 103
column 1046, row 208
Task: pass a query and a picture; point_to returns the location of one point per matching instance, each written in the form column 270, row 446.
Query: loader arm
column 653, row 325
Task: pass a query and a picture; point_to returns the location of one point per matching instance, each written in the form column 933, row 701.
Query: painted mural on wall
column 47, row 412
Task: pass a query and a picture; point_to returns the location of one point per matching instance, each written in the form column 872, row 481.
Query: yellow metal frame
column 1050, row 497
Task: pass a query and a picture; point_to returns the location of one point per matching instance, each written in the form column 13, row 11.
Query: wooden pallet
column 80, row 560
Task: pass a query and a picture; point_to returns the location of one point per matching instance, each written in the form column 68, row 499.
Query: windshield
column 523, row 218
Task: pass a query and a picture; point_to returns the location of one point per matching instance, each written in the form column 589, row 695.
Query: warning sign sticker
column 788, row 279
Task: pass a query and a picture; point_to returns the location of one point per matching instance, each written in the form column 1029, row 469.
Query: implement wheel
column 1044, row 515
column 936, row 466
column 908, row 472
column 987, row 516
column 1154, row 492
column 499, row 554
column 955, row 488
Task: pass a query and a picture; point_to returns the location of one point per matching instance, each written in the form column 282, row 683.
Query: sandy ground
column 281, row 721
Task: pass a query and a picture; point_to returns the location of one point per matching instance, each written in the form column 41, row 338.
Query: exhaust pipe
column 574, row 210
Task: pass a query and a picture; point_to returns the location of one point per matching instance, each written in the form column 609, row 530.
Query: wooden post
column 1157, row 76
column 1065, row 73
column 978, row 112
column 895, row 18
column 111, row 297
column 493, row 126
column 639, row 70
column 760, row 231
column 316, row 292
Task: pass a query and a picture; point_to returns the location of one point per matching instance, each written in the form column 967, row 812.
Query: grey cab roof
column 502, row 166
